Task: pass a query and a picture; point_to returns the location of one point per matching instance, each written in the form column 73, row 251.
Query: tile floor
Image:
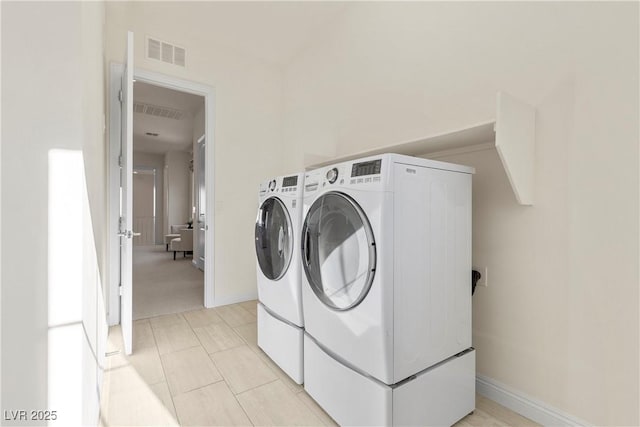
column 204, row 367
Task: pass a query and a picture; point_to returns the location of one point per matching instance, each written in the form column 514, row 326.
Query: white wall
column 248, row 124
column 53, row 322
column 178, row 192
column 559, row 320
column 155, row 161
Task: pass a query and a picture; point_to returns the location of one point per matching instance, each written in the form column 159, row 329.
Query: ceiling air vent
column 157, row 111
column 166, row 52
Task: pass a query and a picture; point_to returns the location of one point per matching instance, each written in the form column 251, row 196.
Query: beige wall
column 559, row 320
column 53, row 317
column 248, row 124
column 94, row 104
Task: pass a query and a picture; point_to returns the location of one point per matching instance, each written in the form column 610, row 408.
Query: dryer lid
column 338, row 251
column 273, row 238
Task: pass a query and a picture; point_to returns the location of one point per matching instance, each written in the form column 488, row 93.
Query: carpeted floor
column 162, row 285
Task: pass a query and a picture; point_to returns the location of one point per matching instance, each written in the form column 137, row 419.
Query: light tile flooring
column 204, row 367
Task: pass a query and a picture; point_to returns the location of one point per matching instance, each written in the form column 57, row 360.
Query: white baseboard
column 524, row 405
column 235, row 299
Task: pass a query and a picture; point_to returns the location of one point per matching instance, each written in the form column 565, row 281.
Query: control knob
column 332, row 175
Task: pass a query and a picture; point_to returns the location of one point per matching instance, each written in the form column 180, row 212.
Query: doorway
column 167, row 125
column 170, row 214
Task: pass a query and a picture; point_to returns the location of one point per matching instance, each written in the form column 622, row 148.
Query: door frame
column 163, row 80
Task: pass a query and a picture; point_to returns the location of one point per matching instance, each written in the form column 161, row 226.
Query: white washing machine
column 277, row 237
column 386, row 255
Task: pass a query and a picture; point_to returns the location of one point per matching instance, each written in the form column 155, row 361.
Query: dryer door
column 274, row 238
column 338, row 251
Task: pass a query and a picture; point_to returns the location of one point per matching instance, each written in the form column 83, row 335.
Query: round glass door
column 338, row 251
column 274, row 237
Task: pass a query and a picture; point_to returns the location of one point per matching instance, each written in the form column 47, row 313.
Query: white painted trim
column 170, row 82
column 461, row 150
column 524, row 405
column 236, row 298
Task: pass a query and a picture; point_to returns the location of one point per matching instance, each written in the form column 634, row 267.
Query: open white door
column 126, row 199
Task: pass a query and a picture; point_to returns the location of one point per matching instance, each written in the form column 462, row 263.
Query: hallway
column 162, row 285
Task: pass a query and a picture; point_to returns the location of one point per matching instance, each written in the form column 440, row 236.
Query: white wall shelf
column 512, row 134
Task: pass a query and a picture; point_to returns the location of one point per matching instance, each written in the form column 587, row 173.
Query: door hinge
column 120, row 96
column 120, row 290
column 120, row 160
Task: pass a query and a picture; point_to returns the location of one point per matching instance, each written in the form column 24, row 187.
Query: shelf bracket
column 515, row 143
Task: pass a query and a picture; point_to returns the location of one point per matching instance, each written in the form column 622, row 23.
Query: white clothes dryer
column 386, row 255
column 277, row 231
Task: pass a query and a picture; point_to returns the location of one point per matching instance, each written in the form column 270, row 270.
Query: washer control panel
column 289, row 184
column 285, row 184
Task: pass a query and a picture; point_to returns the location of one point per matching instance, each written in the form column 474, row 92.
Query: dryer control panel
column 372, row 167
column 372, row 173
column 365, row 172
column 354, row 173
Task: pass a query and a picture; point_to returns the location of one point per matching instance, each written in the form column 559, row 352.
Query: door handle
column 280, row 242
column 306, row 248
column 128, row 234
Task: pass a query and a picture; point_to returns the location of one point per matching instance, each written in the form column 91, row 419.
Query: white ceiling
column 173, row 135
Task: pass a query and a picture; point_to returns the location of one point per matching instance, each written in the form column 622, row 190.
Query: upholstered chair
column 183, row 244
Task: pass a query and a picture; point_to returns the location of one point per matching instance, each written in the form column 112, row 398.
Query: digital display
column 290, row 181
column 366, row 168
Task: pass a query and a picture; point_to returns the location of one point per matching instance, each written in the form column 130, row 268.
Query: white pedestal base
column 282, row 342
column 440, row 395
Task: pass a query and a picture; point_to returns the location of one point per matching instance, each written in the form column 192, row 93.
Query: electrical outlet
column 484, row 280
